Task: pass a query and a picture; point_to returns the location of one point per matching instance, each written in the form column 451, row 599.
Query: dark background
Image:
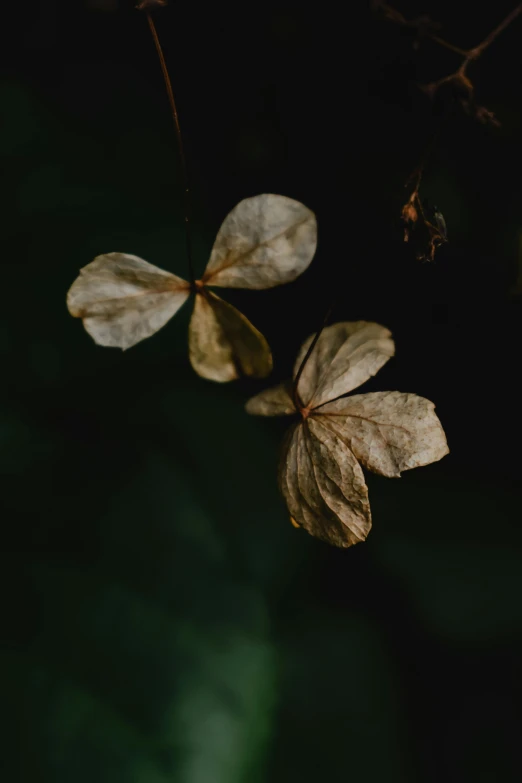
column 162, row 620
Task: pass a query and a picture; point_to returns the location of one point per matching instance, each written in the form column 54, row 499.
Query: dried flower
column 319, row 472
column 264, row 241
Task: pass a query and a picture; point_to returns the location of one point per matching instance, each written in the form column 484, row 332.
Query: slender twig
column 184, row 172
column 447, row 45
column 460, row 77
column 471, row 55
column 297, row 400
column 418, row 172
column 393, row 15
column 466, row 91
column 413, row 208
column 474, row 53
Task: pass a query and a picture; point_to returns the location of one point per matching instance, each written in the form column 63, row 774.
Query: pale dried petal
column 123, row 299
column 323, row 485
column 223, row 344
column 264, row 241
column 387, row 431
column 276, row 401
column 346, row 355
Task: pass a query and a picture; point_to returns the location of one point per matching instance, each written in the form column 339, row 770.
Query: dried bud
column 150, row 5
column 409, row 213
column 435, row 240
column 410, row 216
column 425, row 228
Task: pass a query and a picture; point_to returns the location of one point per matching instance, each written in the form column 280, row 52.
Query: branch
column 475, row 53
column 425, row 26
column 459, row 79
column 432, row 232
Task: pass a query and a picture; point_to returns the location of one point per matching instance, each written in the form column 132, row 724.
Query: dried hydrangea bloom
column 320, row 472
column 264, row 241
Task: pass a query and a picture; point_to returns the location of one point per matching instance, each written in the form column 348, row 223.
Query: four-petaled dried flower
column 319, row 473
column 263, row 242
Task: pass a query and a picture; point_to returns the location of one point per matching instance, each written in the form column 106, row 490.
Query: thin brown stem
column 297, row 400
column 183, row 163
column 468, row 54
column 418, row 173
column 474, row 53
column 471, row 55
column 393, row 15
column 447, row 45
